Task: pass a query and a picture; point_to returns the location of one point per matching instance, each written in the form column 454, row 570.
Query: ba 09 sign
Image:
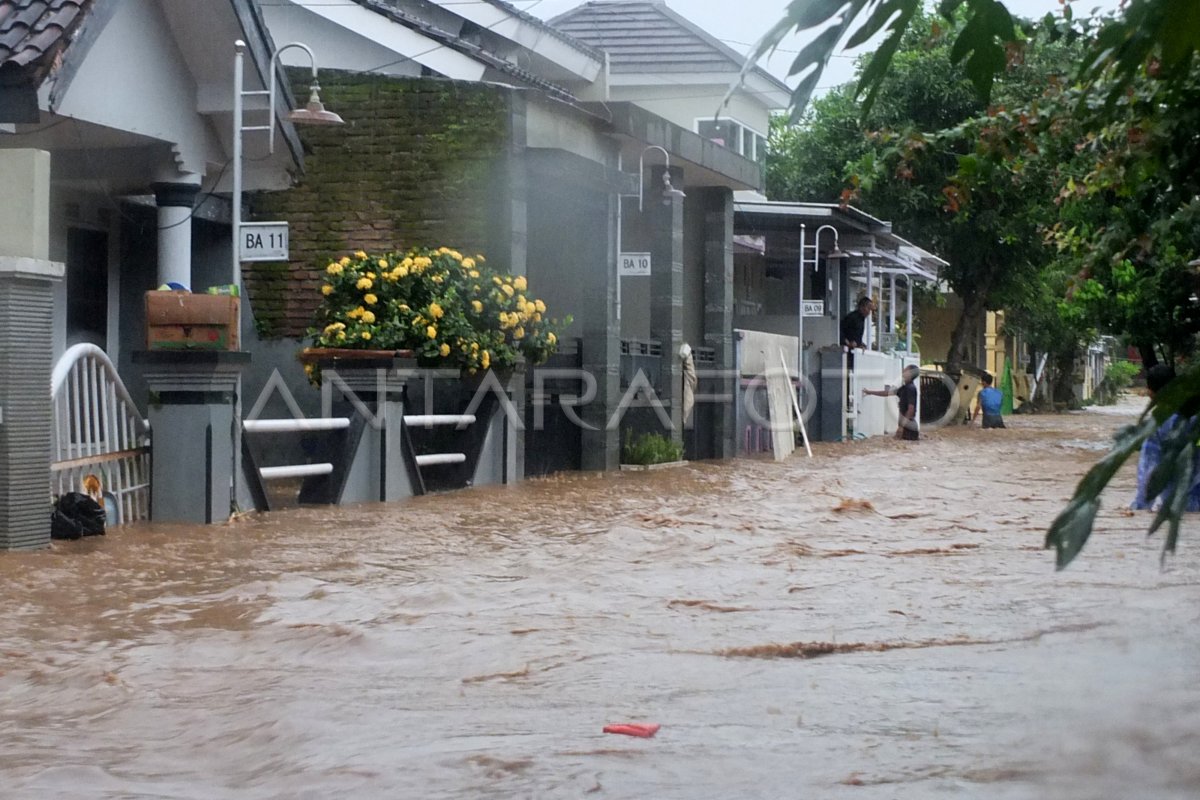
column 263, row 241
column 634, row 265
column 814, row 308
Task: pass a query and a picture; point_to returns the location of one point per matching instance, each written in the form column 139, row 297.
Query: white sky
column 739, row 24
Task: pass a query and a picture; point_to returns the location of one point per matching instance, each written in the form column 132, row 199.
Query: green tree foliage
column 1115, row 144
column 975, row 212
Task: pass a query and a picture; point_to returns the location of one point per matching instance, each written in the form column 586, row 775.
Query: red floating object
column 642, row 729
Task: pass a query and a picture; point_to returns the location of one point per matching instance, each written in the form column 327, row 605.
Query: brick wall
column 419, row 162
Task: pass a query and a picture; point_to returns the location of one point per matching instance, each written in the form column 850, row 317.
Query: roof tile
column 34, row 33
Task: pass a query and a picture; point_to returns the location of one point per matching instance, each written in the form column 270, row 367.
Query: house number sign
column 635, row 265
column 263, row 241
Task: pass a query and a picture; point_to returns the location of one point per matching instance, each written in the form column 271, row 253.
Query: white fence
column 98, row 431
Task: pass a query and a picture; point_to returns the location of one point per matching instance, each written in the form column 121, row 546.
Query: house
column 799, row 269
column 479, row 127
column 671, row 67
column 116, row 132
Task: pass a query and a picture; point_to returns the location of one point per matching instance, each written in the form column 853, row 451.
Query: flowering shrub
column 445, row 308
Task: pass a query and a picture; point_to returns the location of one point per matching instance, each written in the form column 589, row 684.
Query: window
column 732, row 134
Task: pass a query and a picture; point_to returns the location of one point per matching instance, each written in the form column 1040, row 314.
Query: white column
column 176, row 201
column 892, row 304
column 869, row 330
column 908, row 325
column 800, row 307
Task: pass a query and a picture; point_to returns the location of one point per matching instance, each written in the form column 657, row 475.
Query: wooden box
column 184, row 321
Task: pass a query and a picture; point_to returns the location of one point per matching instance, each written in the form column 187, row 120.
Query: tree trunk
column 964, row 327
column 1149, row 357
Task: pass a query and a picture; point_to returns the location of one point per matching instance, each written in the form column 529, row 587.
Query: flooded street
column 877, row 622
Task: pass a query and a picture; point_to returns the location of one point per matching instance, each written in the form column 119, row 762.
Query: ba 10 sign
column 263, row 241
column 635, row 265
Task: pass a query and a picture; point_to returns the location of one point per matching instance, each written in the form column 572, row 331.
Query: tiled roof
column 542, row 25
column 34, row 33
column 391, row 10
column 647, row 37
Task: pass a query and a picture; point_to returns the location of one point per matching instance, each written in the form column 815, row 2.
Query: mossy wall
column 419, row 162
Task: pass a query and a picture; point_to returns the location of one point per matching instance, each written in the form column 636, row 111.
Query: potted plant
column 445, row 309
column 650, row 451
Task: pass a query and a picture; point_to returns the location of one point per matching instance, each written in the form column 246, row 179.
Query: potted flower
column 446, row 309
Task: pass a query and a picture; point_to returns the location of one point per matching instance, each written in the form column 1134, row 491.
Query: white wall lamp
column 805, row 259
column 313, row 113
column 669, row 192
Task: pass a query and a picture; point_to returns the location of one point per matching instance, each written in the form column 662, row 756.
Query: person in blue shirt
column 1157, row 377
column 988, row 403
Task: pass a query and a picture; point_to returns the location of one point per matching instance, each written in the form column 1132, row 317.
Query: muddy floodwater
column 877, row 622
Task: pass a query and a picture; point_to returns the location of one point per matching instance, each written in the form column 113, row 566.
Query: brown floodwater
column 877, row 622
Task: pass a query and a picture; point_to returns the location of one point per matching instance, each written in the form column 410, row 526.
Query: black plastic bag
column 76, row 515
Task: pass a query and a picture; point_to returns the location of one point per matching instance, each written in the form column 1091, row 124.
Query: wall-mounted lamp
column 669, row 192
column 836, row 252
column 313, row 113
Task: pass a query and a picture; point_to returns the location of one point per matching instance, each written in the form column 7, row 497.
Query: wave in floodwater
column 879, row 621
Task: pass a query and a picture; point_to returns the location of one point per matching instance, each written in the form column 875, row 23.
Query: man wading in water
column 907, row 394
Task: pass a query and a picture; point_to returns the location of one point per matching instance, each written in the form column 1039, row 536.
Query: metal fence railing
column 98, row 431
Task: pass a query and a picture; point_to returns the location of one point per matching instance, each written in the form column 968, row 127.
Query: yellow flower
column 537, row 317
column 334, row 269
column 383, row 263
column 368, row 317
column 436, row 279
column 519, row 333
column 504, row 320
column 341, row 337
column 371, row 275
column 530, row 309
column 400, row 272
column 370, row 299
column 443, row 250
column 344, row 261
column 468, row 263
column 422, row 262
column 474, row 273
column 474, row 347
column 485, row 360
column 327, row 290
column 360, row 255
column 496, row 280
column 364, row 283
column 551, row 338
column 355, row 313
column 520, row 283
column 480, row 258
column 477, row 306
column 457, row 256
column 404, row 307
column 366, row 335
column 541, row 307
column 406, row 263
column 435, row 311
column 508, row 290
column 431, row 332
column 444, row 350
column 334, row 328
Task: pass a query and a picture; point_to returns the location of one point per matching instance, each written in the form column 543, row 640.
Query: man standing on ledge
column 854, row 324
column 909, row 428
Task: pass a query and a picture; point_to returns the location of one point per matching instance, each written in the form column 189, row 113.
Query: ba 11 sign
column 634, row 265
column 263, row 241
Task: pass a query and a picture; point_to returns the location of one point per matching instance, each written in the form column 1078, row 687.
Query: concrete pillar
column 193, row 416
column 718, row 311
column 665, row 222
column 176, row 202
column 27, row 279
column 600, row 357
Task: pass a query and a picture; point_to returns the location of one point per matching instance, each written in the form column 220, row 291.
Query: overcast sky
column 740, row 23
